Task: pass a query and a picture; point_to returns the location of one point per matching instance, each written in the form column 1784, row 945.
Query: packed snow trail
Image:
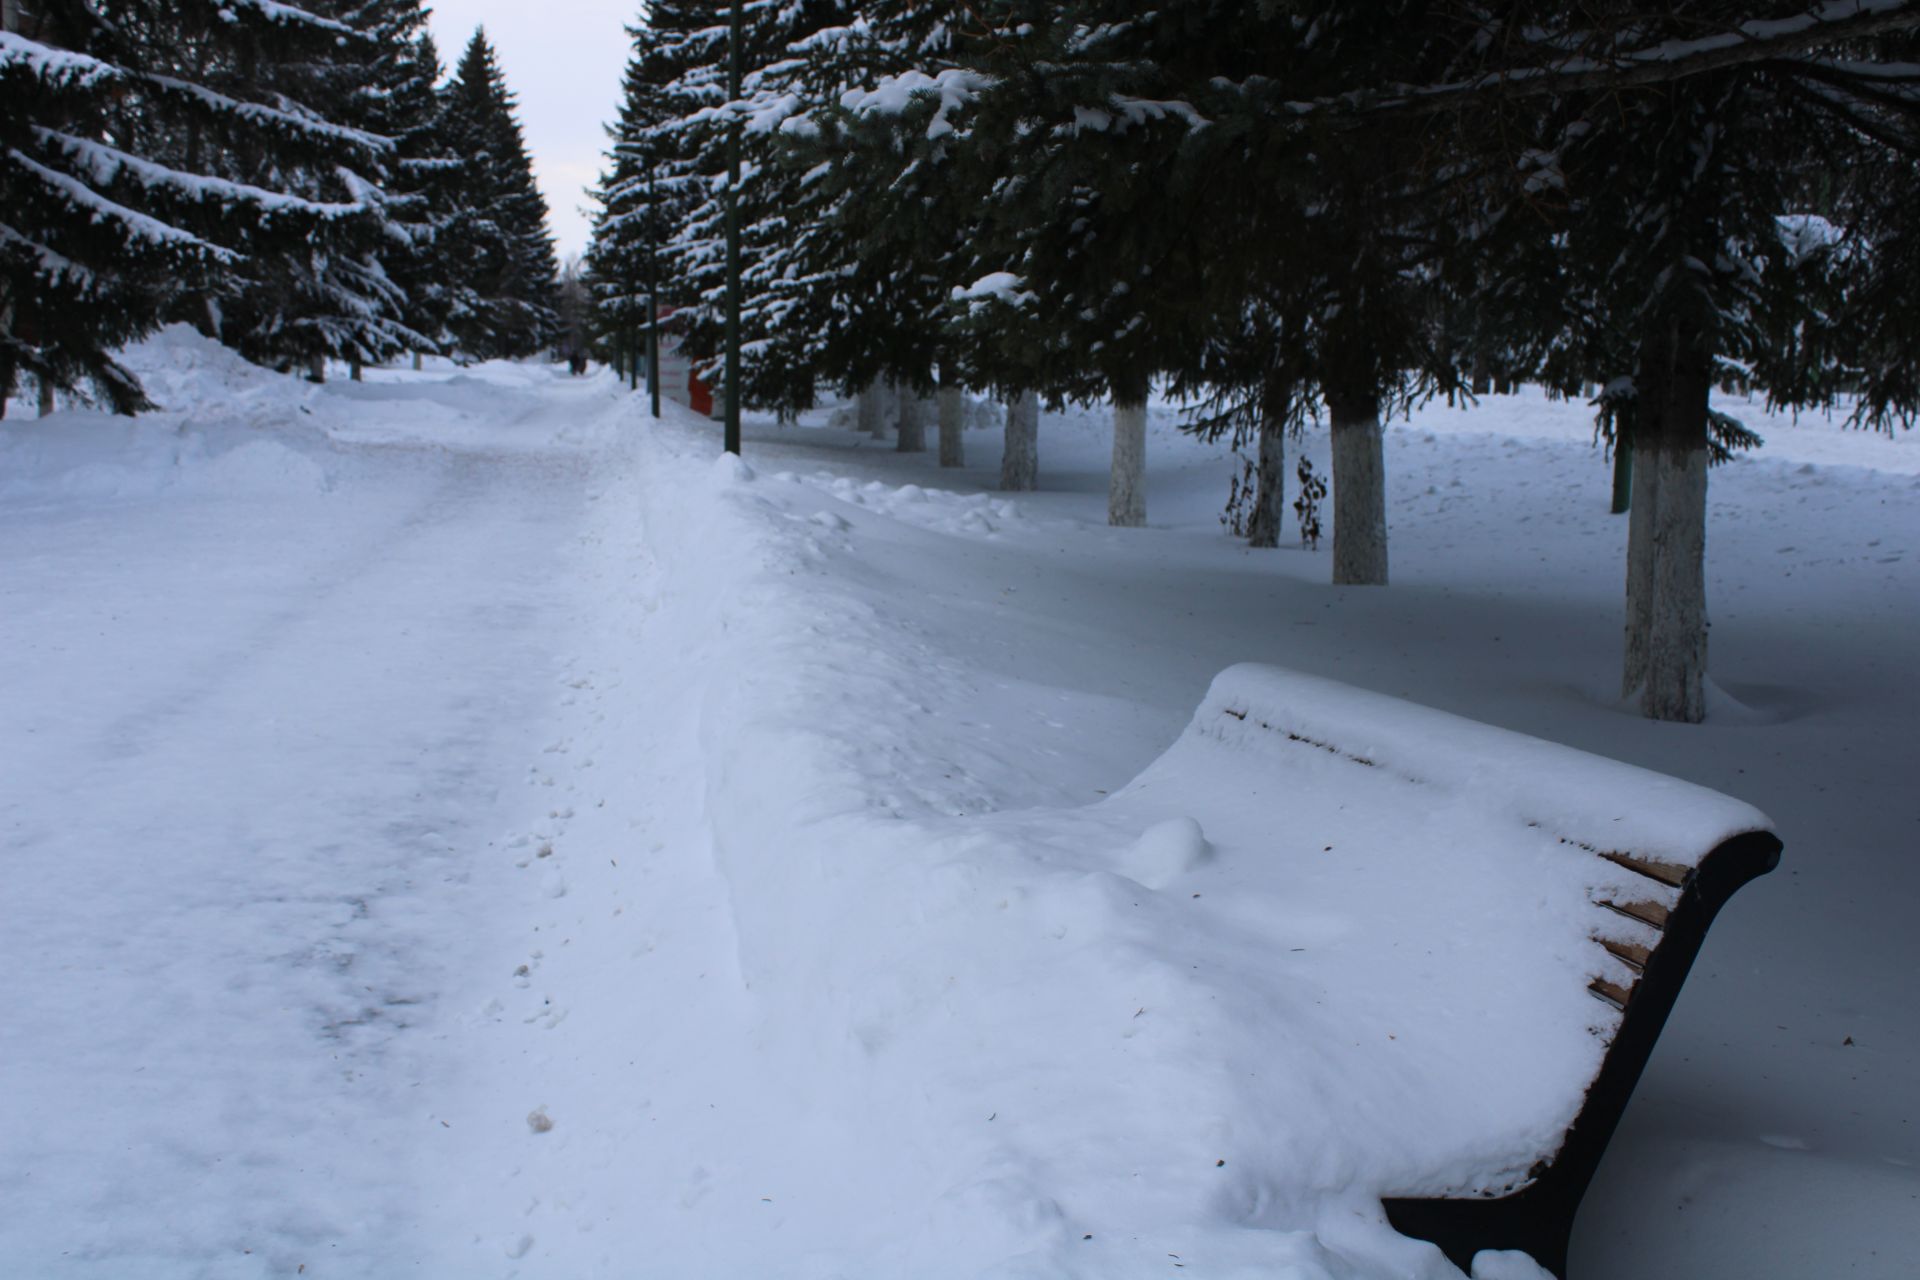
column 258, row 742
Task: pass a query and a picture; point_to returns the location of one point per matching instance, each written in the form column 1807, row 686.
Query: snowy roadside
column 858, row 664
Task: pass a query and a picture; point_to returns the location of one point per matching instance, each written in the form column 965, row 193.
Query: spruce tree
column 870, row 267
column 648, row 185
column 333, row 296
column 495, row 243
column 399, row 100
column 775, row 204
column 1722, row 226
column 1025, row 172
column 85, row 268
column 147, row 160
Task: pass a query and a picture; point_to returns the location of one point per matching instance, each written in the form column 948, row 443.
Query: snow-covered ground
column 456, row 826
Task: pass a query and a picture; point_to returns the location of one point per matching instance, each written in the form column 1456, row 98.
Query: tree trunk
column 316, row 368
column 46, row 397
column 1020, row 463
column 19, row 18
column 870, row 414
column 1127, row 486
column 1666, row 635
column 355, row 369
column 953, row 425
column 417, row 362
column 6, row 332
column 889, row 409
column 913, row 422
column 1359, row 491
column 1270, row 502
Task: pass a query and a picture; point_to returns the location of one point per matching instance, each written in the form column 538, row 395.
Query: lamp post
column 733, row 237
column 653, row 295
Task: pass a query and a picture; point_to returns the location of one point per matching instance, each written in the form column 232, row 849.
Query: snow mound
column 85, row 454
column 938, row 510
column 261, row 466
column 1506, row 1264
column 730, row 469
column 184, row 371
column 225, row 426
column 1165, row 851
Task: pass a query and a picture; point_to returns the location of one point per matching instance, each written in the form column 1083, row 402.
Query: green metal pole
column 1623, row 423
column 653, row 352
column 733, row 238
column 1622, row 476
column 653, row 297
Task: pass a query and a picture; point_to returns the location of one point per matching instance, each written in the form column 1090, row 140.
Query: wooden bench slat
column 1631, row 952
column 1666, row 873
column 1651, row 913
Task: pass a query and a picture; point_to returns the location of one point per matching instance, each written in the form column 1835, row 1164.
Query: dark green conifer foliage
column 648, row 186
column 399, row 100
column 82, row 270
column 1729, row 227
column 148, row 158
column 496, row 245
column 867, row 273
column 333, row 296
column 773, row 204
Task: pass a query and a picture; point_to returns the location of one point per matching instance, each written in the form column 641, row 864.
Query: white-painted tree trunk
column 1127, row 487
column 1666, row 658
column 1270, row 500
column 913, row 422
column 953, row 425
column 1359, row 492
column 1666, row 639
column 1020, row 461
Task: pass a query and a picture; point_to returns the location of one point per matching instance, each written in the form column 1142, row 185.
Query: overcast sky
column 563, row 60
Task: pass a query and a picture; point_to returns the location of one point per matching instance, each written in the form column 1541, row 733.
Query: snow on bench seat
column 1467, row 915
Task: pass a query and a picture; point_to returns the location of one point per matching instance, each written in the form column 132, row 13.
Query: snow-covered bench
column 1516, row 916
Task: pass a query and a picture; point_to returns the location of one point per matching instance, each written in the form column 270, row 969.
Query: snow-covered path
column 257, row 748
column 454, row 826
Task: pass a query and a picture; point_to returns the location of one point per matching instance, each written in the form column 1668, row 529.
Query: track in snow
column 256, row 748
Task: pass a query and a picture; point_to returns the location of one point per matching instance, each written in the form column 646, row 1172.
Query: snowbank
column 228, row 427
column 224, row 426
